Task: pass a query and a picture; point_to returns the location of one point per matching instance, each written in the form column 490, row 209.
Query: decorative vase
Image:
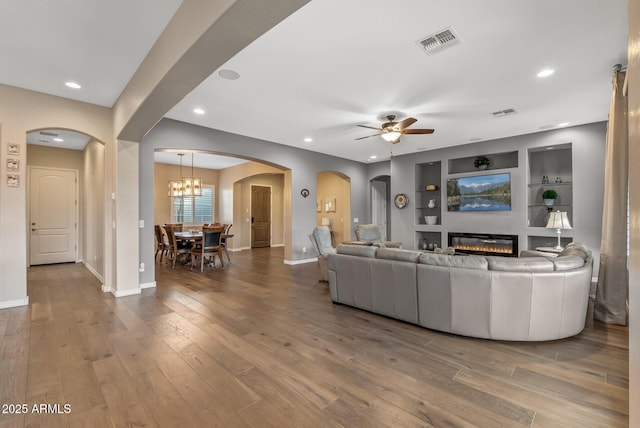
column 432, row 203
column 549, row 202
column 431, row 219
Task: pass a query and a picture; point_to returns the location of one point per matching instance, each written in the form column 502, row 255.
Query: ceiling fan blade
column 406, row 123
column 369, row 127
column 418, row 131
column 368, row 136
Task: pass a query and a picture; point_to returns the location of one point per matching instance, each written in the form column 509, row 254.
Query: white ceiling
column 335, row 64
column 96, row 43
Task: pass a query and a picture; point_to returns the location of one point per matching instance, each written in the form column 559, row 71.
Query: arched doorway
column 231, row 179
column 66, row 172
column 380, row 203
column 333, row 206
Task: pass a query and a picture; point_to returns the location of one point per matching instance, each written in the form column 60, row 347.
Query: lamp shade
column 326, row 221
column 558, row 220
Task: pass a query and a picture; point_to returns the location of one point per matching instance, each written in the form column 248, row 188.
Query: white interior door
column 52, row 215
column 379, row 206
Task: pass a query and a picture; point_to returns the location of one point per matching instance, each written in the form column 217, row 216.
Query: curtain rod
column 619, row 67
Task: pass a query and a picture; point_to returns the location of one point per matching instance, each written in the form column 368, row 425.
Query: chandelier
column 191, row 186
column 186, row 186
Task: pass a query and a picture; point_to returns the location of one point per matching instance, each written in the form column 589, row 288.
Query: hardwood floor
column 260, row 344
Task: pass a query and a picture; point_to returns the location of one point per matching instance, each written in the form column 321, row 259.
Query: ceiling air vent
column 48, row 134
column 505, row 112
column 437, row 41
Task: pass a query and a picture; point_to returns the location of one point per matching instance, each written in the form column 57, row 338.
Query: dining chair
column 177, row 247
column 209, row 245
column 177, row 227
column 225, row 236
column 162, row 247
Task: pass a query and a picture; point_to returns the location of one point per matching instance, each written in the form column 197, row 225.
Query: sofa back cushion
column 357, row 250
column 398, row 254
column 576, row 249
column 567, row 262
column 520, row 264
column 466, row 262
column 368, row 233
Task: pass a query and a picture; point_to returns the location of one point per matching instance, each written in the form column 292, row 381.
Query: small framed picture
column 13, row 149
column 13, row 164
column 13, row 180
column 330, row 205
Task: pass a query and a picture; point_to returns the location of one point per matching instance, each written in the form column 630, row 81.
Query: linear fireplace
column 486, row 244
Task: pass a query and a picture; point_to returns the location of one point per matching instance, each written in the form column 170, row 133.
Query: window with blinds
column 190, row 209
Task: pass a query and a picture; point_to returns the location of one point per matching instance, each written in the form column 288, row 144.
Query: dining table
column 197, row 235
column 189, row 235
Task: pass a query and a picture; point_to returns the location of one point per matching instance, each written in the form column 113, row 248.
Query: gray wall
column 304, row 166
column 588, row 143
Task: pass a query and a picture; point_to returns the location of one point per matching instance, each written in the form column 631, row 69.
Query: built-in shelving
column 555, row 165
column 501, row 160
column 428, row 205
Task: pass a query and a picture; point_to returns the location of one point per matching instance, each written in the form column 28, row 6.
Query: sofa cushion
column 368, row 233
column 357, row 250
column 466, row 262
column 520, row 264
column 567, row 262
column 398, row 254
column 576, row 249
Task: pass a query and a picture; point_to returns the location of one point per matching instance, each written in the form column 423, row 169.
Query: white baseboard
column 235, row 250
column 14, row 303
column 299, row 262
column 106, row 289
column 123, row 293
column 277, row 245
column 93, row 272
column 151, row 284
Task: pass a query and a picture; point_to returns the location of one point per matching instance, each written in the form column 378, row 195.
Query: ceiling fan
column 391, row 131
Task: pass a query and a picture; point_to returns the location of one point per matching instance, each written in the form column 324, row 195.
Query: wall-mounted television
column 479, row 193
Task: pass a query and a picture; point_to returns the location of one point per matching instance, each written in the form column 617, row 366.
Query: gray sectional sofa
column 530, row 298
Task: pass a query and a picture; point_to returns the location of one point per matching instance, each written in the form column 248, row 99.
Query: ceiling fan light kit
column 391, row 131
column 392, row 136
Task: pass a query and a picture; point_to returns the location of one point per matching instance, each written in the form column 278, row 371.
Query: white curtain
column 612, row 292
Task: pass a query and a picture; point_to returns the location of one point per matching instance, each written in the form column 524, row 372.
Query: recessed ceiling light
column 199, row 111
column 546, row 72
column 58, row 140
column 229, row 74
column 563, row 124
column 73, row 85
column 373, row 157
column 308, row 139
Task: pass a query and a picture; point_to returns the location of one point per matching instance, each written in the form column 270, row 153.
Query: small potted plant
column 481, row 162
column 549, row 197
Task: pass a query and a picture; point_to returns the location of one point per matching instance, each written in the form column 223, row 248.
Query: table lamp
column 326, row 221
column 558, row 220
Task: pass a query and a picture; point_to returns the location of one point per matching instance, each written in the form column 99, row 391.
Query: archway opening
column 333, row 206
column 230, row 179
column 380, row 188
column 66, row 198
